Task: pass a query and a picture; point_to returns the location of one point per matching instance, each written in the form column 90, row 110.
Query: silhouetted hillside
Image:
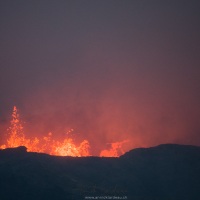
column 164, row 172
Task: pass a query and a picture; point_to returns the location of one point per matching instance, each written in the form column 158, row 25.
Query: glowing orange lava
column 47, row 144
column 115, row 150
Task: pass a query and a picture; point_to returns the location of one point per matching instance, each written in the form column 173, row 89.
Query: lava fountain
column 47, row 144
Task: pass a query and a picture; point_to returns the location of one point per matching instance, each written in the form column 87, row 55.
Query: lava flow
column 47, row 144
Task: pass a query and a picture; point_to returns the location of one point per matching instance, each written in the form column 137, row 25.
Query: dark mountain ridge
column 164, row 172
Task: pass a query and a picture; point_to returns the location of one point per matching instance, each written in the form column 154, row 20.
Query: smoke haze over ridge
column 111, row 70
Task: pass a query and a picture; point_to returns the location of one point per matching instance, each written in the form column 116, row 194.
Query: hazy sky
column 112, row 70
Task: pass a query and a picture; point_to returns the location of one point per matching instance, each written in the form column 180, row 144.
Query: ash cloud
column 123, row 71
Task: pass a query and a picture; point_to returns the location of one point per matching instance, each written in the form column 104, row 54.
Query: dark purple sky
column 112, row 70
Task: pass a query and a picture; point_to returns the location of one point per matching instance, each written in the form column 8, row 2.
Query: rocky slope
column 164, row 172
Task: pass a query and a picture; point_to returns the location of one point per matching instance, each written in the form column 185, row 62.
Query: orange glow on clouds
column 16, row 137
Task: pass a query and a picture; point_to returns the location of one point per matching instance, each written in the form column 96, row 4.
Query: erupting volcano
column 47, row 144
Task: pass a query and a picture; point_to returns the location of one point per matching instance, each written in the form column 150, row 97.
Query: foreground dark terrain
column 164, row 172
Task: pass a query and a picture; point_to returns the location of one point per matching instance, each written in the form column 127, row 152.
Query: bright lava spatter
column 16, row 137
